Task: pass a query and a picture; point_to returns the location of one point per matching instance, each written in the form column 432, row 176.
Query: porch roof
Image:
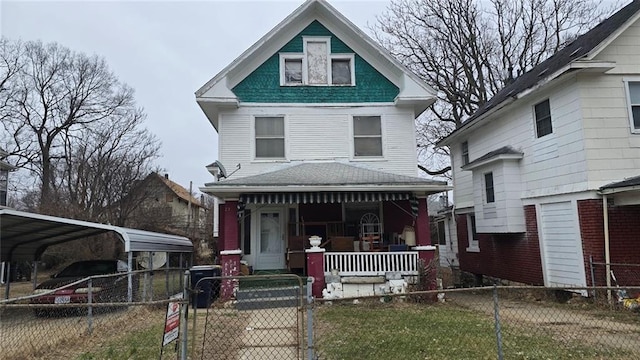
column 324, row 177
column 629, row 184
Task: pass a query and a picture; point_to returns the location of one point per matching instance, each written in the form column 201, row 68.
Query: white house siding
column 553, row 164
column 318, row 134
column 613, row 152
column 463, row 193
column 506, row 213
column 624, row 50
column 448, row 253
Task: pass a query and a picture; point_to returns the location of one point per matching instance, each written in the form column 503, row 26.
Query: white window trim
column 474, row 244
column 305, row 67
column 351, row 58
column 352, row 155
column 484, row 188
column 253, row 140
column 292, row 56
column 535, row 120
column 626, row 81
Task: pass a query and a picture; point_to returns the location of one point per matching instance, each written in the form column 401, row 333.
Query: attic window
column 316, row 65
column 293, row 71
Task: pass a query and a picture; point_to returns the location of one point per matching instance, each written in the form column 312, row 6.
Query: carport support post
column 315, row 269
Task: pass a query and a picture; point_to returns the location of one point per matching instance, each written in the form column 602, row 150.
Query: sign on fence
column 172, row 321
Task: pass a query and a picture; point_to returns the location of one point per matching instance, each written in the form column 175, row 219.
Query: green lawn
column 419, row 331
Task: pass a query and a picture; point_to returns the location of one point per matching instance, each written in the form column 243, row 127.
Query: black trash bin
column 208, row 289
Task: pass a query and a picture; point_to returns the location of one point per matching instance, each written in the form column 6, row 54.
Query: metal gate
column 264, row 319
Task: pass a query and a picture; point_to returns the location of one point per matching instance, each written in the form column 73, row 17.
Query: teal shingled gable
column 263, row 84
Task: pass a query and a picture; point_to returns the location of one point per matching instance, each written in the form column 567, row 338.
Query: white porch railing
column 371, row 263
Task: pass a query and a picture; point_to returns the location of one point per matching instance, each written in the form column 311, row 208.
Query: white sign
column 172, row 321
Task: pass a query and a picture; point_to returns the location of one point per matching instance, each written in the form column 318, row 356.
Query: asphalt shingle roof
column 505, row 150
column 330, row 173
column 580, row 47
column 632, row 181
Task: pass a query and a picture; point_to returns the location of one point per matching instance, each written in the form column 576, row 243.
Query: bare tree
column 467, row 50
column 58, row 98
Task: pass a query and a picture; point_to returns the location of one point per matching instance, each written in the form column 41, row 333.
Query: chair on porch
column 370, row 232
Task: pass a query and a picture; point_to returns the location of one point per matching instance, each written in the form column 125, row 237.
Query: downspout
column 607, row 255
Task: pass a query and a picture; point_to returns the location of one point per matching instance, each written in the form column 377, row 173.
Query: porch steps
column 268, row 298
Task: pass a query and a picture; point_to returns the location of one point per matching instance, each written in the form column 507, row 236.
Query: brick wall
column 624, row 239
column 514, row 257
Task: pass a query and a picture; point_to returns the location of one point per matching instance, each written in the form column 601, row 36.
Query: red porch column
column 230, row 246
column 426, row 251
column 315, row 269
column 423, row 235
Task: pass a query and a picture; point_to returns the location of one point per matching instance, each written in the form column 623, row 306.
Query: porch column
column 423, row 235
column 426, row 251
column 230, row 250
column 315, row 269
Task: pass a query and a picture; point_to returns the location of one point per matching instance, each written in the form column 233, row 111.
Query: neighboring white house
column 537, row 168
column 316, row 127
column 5, row 168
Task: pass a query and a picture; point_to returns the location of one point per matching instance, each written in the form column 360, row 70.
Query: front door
column 270, row 240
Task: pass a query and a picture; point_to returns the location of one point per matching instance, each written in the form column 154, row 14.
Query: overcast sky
column 165, row 50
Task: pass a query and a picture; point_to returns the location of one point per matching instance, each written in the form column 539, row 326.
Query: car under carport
column 24, row 236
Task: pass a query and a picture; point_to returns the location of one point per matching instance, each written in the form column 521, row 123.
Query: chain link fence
column 476, row 323
column 264, row 320
column 118, row 316
column 272, row 317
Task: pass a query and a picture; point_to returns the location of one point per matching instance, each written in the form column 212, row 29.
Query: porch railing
column 371, row 263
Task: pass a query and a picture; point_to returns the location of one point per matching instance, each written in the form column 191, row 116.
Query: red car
column 69, row 288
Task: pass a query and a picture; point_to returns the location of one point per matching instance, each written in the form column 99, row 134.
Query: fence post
column 593, row 277
column 310, row 354
column 183, row 317
column 496, row 313
column 89, row 307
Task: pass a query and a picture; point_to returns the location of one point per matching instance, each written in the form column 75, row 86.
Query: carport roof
column 25, row 235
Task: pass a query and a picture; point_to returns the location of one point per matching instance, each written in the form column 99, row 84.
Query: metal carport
column 25, row 236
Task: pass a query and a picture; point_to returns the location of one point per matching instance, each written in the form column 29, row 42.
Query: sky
column 165, row 50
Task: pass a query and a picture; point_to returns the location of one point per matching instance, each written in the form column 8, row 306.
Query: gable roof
column 578, row 54
column 326, row 176
column 177, row 189
column 217, row 94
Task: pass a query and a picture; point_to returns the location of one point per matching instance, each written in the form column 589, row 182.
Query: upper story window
column 465, row 153
column 316, row 65
column 269, row 132
column 488, row 188
column 543, row 118
column 633, row 97
column 367, row 136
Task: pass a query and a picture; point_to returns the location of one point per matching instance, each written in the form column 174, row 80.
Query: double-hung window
column 465, row 153
column 269, row 137
column 633, row 97
column 543, row 118
column 488, row 188
column 367, row 136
